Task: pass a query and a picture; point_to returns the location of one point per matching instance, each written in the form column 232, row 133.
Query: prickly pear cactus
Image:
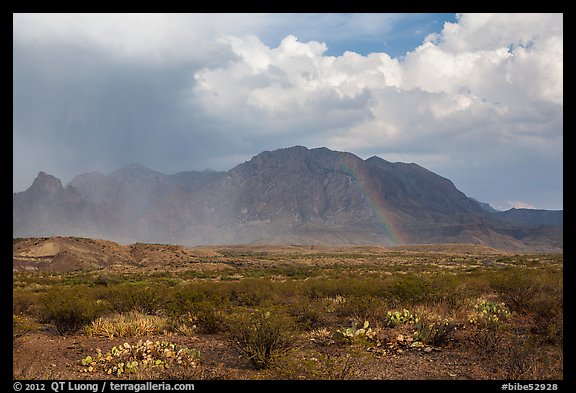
column 129, row 359
column 395, row 318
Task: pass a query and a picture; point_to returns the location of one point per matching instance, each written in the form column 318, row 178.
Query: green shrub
column 436, row 333
column 25, row 303
column 249, row 292
column 262, row 336
column 137, row 297
column 22, row 325
column 410, row 289
column 317, row 288
column 519, row 358
column 520, row 287
column 548, row 312
column 308, row 315
column 207, row 318
column 517, row 291
column 68, row 310
column 360, row 307
column 191, row 311
column 105, row 280
column 181, row 301
column 488, row 325
column 535, row 293
column 312, row 365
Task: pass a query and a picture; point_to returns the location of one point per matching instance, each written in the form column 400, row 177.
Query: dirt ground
column 47, row 355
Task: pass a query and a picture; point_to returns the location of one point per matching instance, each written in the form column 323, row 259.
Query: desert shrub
column 69, row 310
column 105, row 280
column 521, row 289
column 410, row 289
column 436, row 333
column 516, row 290
column 312, row 365
column 249, row 292
column 137, row 297
column 131, row 324
column 22, row 325
column 192, row 310
column 321, row 336
column 308, row 315
column 318, row 288
column 547, row 309
column 208, row 318
column 25, row 303
column 488, row 340
column 535, row 293
column 519, row 358
column 488, row 325
column 261, row 336
column 361, row 307
column 182, row 325
column 295, row 272
column 180, row 301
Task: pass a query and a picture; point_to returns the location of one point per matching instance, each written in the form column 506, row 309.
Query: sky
column 475, row 98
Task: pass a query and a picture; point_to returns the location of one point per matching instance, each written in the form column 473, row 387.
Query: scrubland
column 290, row 313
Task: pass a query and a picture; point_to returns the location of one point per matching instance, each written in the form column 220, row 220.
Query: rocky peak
column 298, row 160
column 136, row 172
column 46, row 184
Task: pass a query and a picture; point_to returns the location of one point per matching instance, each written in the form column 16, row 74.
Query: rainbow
column 375, row 198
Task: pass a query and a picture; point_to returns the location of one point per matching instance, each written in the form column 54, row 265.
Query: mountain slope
column 532, row 218
column 292, row 195
column 47, row 208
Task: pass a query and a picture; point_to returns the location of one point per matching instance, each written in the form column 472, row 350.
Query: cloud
column 520, row 205
column 445, row 88
column 478, row 100
column 489, row 87
column 144, row 37
column 486, row 32
column 293, row 83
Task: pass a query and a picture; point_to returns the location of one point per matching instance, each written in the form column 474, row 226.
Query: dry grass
column 131, row 324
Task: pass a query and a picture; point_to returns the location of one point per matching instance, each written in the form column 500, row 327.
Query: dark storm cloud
column 100, row 113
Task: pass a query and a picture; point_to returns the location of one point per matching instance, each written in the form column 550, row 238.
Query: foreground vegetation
column 322, row 315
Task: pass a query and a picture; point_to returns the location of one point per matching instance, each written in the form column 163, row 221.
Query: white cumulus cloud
column 452, row 83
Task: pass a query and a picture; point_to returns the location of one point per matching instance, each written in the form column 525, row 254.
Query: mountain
column 47, row 208
column 533, row 218
column 293, row 195
column 486, row 206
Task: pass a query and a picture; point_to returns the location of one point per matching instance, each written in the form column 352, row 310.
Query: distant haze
column 476, row 98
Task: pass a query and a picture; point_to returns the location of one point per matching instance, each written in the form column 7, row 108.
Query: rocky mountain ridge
column 287, row 196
